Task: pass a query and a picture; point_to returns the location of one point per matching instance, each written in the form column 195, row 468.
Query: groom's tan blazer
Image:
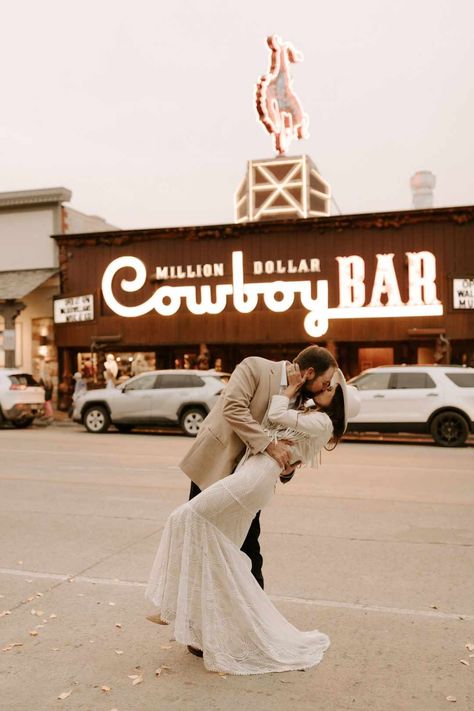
column 234, row 422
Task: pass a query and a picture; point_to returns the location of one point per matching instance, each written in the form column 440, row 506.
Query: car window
column 179, row 380
column 372, row 381
column 144, row 382
column 406, row 381
column 462, row 380
column 24, row 379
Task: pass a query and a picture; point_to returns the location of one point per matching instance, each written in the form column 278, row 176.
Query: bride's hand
column 295, row 380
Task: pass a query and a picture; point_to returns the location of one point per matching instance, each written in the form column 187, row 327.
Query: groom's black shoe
column 194, row 650
column 285, row 478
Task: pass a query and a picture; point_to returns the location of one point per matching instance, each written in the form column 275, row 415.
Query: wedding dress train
column 202, row 582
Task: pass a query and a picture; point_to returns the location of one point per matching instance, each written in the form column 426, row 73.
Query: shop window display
column 99, row 369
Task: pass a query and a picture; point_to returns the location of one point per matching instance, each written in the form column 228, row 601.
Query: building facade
column 376, row 289
column 29, row 271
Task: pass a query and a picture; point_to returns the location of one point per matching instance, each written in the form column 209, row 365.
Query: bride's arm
column 312, row 423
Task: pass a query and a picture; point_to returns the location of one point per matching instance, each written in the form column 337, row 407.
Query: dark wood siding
column 448, row 234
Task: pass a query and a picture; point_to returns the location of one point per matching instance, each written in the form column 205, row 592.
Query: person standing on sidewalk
column 46, row 381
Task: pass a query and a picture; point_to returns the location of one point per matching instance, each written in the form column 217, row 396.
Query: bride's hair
column 335, row 412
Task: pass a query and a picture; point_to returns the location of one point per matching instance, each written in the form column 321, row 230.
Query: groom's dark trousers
column 251, row 546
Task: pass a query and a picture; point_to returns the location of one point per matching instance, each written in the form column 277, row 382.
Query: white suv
column 21, row 397
column 156, row 398
column 434, row 399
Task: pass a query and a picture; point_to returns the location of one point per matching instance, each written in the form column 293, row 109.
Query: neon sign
column 278, row 107
column 279, row 296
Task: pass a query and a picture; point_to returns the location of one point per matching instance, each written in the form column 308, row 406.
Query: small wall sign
column 74, row 309
column 463, row 293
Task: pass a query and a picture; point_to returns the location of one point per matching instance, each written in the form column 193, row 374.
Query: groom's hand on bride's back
column 280, row 452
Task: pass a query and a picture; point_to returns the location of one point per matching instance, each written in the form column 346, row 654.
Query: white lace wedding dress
column 202, row 582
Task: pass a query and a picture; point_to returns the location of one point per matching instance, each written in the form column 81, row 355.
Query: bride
column 202, row 582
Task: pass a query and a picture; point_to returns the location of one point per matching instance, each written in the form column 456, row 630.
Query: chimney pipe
column 422, row 184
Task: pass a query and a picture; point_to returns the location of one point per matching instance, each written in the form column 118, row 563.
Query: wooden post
column 10, row 309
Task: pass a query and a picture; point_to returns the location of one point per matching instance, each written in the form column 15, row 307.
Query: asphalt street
column 374, row 548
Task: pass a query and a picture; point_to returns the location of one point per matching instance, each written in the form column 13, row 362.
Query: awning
column 21, row 282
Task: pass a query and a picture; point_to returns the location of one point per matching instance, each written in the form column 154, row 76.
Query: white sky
column 145, row 111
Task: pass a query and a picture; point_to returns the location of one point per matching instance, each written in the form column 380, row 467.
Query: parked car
column 155, row 398
column 21, row 397
column 435, row 399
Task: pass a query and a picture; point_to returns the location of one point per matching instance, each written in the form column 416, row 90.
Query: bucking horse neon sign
column 278, row 107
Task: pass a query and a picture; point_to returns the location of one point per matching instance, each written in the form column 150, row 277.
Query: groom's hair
column 315, row 357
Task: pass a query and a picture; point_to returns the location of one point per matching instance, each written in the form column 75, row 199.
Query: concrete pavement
column 375, row 548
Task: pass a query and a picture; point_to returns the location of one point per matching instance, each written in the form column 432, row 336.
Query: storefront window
column 103, row 366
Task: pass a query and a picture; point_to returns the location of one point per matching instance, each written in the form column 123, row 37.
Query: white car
column 434, row 399
column 155, row 398
column 21, row 397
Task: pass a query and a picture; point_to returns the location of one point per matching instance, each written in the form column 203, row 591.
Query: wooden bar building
column 381, row 288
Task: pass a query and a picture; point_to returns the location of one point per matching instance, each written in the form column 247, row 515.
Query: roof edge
column 376, row 220
column 40, row 196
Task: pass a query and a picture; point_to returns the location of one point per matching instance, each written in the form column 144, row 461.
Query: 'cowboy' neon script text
column 279, row 296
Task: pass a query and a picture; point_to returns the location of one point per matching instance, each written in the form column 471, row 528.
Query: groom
column 234, row 423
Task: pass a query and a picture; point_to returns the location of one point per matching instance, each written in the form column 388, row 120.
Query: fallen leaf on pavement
column 10, row 646
column 222, row 675
column 136, row 678
column 119, row 651
column 435, row 607
column 33, row 633
column 5, row 612
column 450, row 698
column 117, row 624
column 470, row 647
column 464, row 661
column 64, row 695
column 105, row 688
column 52, row 616
column 162, row 668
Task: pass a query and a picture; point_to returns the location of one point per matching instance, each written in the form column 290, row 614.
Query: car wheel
column 191, row 421
column 449, row 429
column 96, row 419
column 124, row 428
column 21, row 424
